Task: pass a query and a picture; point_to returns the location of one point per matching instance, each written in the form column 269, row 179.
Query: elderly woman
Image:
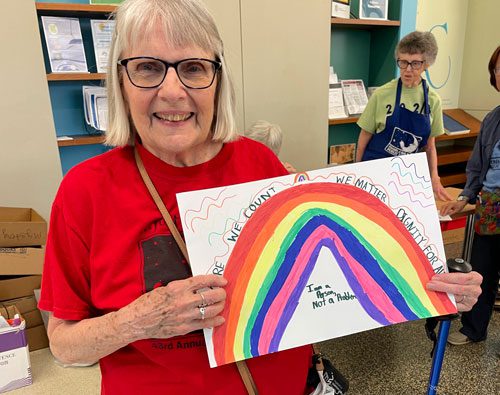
column 115, row 281
column 404, row 116
column 483, row 187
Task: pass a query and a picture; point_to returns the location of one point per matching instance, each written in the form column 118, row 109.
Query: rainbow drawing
column 277, row 251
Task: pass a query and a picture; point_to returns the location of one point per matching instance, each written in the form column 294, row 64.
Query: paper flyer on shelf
column 102, row 32
column 64, row 44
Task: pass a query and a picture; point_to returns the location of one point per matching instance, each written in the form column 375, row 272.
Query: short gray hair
column 419, row 43
column 185, row 23
column 267, row 133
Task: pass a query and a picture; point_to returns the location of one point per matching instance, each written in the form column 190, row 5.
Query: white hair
column 267, row 133
column 184, row 23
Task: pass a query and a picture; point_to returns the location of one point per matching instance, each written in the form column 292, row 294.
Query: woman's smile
column 174, row 122
column 176, row 117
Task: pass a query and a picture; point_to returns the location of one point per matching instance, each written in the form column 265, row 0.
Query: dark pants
column 485, row 259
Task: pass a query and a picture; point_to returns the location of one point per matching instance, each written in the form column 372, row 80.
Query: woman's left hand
column 465, row 287
column 439, row 191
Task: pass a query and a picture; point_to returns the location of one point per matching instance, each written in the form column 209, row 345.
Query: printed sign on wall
column 445, row 19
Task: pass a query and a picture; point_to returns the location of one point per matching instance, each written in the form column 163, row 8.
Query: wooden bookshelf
column 342, row 121
column 81, row 140
column 73, row 9
column 452, row 179
column 453, row 154
column 363, row 23
column 360, row 49
column 453, row 151
column 75, row 76
column 465, row 119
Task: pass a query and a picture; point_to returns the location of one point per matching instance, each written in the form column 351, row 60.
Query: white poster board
column 317, row 255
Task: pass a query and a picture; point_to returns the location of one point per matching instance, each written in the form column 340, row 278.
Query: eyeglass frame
column 421, row 62
column 215, row 63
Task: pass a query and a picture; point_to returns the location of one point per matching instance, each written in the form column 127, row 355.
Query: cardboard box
column 28, row 308
column 21, row 227
column 21, row 260
column 37, row 337
column 15, row 368
column 13, row 287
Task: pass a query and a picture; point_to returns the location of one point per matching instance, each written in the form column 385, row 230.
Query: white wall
column 477, row 96
column 31, row 171
column 471, row 37
column 447, row 20
column 286, row 55
column 228, row 18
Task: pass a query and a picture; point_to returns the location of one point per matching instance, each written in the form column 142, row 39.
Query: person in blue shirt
column 483, row 188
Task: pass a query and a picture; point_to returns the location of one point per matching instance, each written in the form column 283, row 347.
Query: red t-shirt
column 108, row 244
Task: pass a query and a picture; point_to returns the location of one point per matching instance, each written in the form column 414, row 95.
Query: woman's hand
column 439, row 191
column 451, row 208
column 465, row 287
column 175, row 309
column 162, row 313
column 289, row 167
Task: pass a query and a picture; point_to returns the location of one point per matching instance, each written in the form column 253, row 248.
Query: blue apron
column 406, row 132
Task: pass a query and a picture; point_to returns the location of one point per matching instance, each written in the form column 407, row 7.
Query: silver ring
column 461, row 300
column 202, row 312
column 203, row 301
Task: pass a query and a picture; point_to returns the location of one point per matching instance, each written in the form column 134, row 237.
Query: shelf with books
column 363, row 23
column 65, row 88
column 466, row 119
column 362, row 49
column 73, row 9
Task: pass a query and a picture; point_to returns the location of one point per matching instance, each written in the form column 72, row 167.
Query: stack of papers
column 355, row 96
column 336, row 107
column 95, row 106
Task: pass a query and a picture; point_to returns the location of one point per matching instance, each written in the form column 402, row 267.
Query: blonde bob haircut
column 184, row 23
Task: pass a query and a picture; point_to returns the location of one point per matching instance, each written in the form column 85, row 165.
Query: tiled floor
column 395, row 360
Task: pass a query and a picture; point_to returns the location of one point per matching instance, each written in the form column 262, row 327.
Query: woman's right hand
column 451, row 208
column 174, row 309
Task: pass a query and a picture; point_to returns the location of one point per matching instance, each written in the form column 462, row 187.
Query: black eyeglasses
column 415, row 65
column 148, row 72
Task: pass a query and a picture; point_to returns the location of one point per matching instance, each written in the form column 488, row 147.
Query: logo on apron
column 402, row 142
